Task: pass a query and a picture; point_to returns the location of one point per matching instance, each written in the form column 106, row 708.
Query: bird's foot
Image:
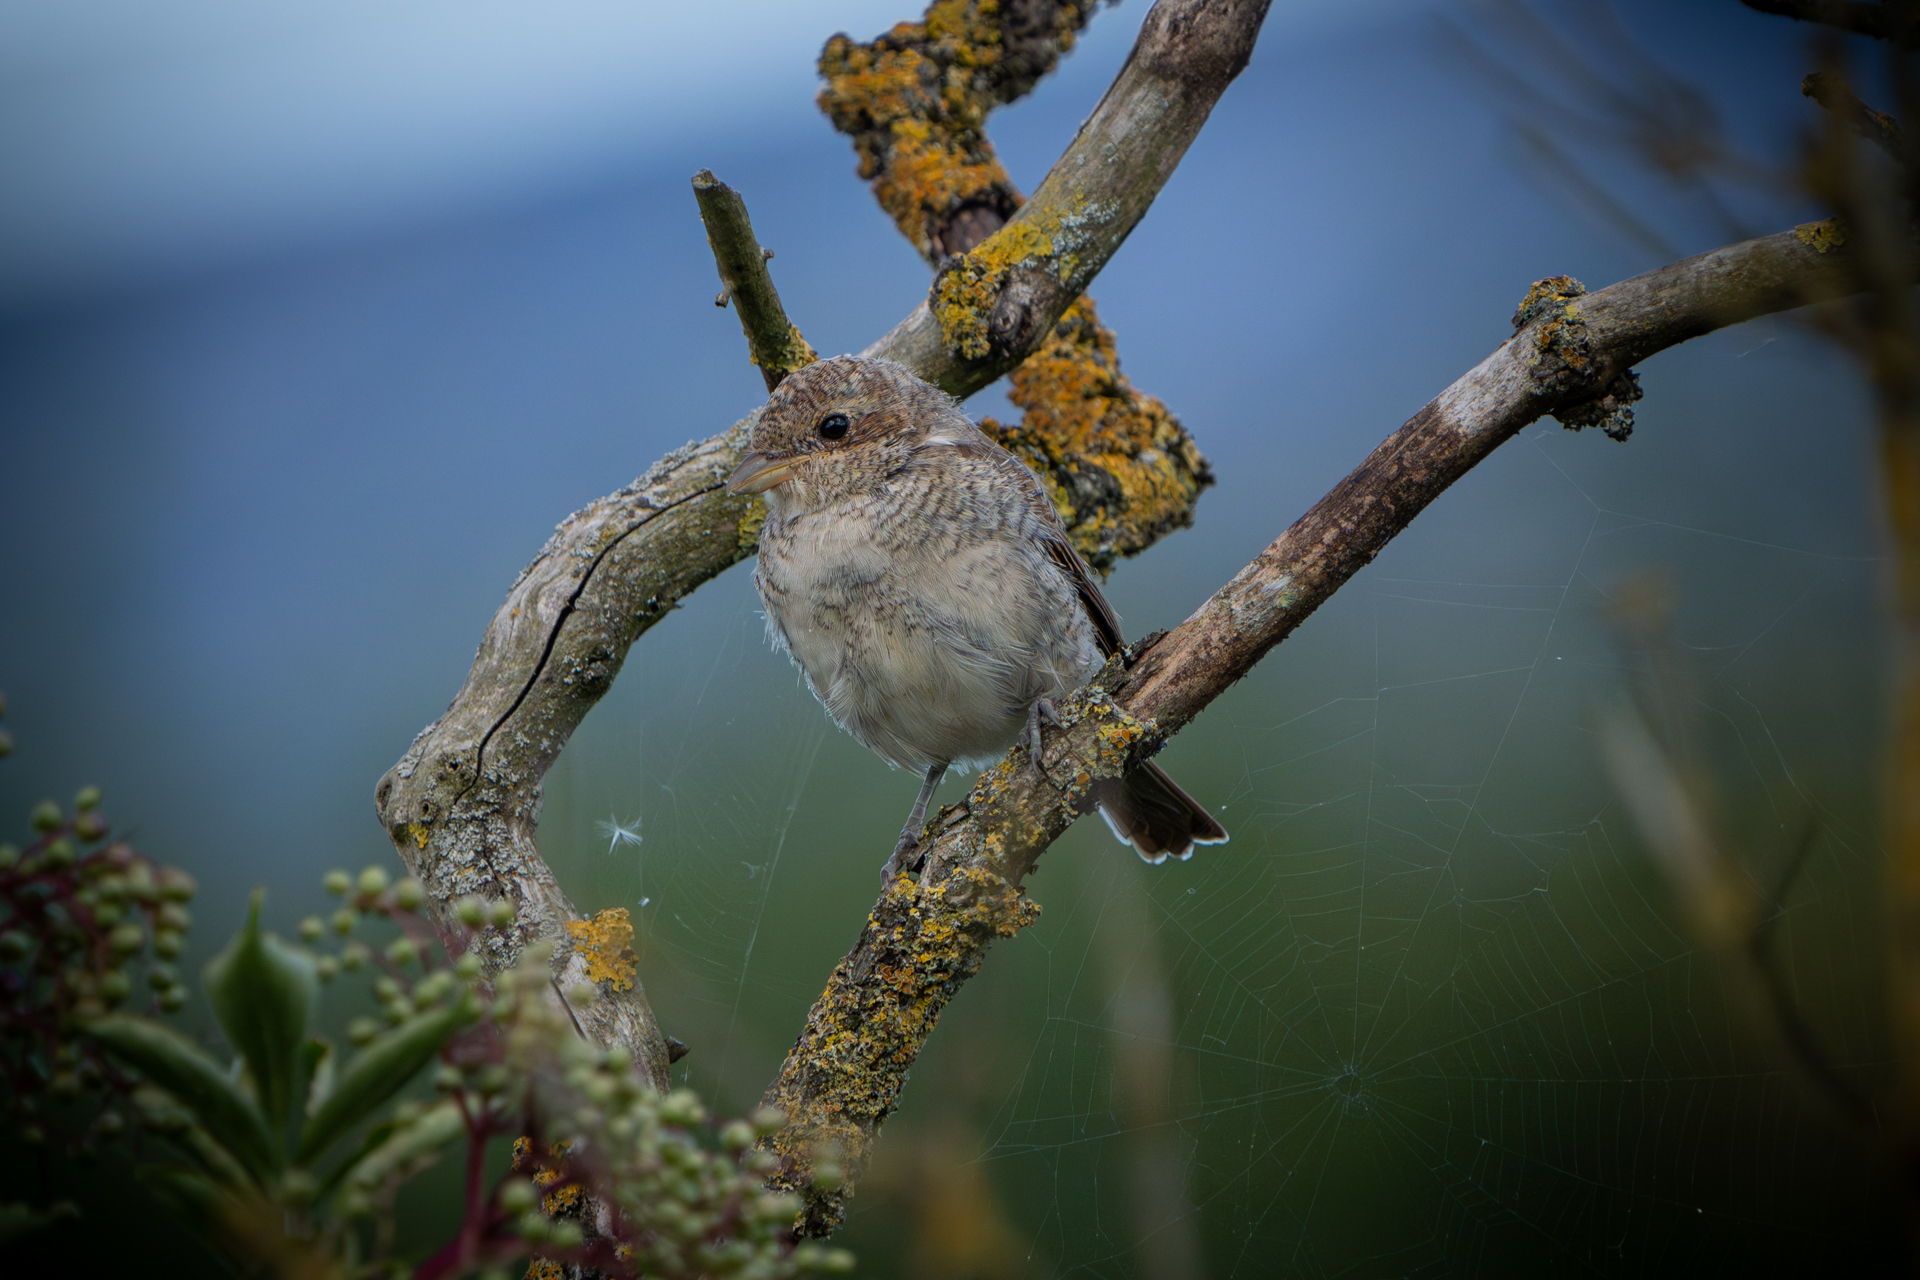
column 1042, row 711
column 897, row 861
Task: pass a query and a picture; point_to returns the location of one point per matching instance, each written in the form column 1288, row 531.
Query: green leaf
column 433, row 1129
column 377, row 1074
column 375, row 1138
column 189, row 1197
column 177, row 1065
column 261, row 989
column 317, row 1061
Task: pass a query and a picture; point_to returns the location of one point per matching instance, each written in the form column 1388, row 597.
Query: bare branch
column 1880, row 21
column 1836, row 95
column 460, row 806
column 773, row 341
column 924, row 940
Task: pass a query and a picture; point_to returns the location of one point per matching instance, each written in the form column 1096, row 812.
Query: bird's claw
column 1041, row 711
column 901, row 859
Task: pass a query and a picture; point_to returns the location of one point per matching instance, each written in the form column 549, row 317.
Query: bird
column 920, row 578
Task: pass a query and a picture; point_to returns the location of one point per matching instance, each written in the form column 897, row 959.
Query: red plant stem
column 470, row 1223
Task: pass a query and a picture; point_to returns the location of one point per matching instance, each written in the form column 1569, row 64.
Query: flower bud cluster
column 685, row 1196
column 87, row 926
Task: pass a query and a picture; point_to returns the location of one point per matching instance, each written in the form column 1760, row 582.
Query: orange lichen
column 1120, row 468
column 607, row 943
column 915, row 102
column 1824, row 236
column 1564, row 361
column 967, row 287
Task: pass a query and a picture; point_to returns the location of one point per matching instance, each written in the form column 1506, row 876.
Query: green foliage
column 261, row 991
column 168, row 1059
column 379, row 1072
column 289, row 1158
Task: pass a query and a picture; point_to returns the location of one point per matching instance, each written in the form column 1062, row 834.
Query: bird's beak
column 759, row 472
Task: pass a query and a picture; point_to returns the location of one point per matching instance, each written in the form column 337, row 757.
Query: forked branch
column 460, row 806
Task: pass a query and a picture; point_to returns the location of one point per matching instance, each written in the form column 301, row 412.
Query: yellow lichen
column 922, row 942
column 418, row 832
column 607, row 943
column 795, row 353
column 1121, row 470
column 965, row 292
column 564, row 1201
column 915, row 102
column 751, row 524
column 1824, row 236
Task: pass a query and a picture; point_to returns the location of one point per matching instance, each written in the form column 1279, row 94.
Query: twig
column 1880, row 21
column 460, row 805
column 1800, row 1037
column 845, row 1073
column 773, row 341
column 1836, row 95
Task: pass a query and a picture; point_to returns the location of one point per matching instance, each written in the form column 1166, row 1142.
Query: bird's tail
column 1149, row 811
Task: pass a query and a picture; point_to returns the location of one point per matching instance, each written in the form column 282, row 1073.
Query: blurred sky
column 314, row 319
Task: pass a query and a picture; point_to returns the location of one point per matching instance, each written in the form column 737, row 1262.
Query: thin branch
column 1799, row 1035
column 460, row 806
column 1878, row 20
column 1836, row 95
column 924, row 940
column 773, row 341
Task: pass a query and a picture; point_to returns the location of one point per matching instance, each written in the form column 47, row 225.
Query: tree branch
column 922, row 941
column 461, row 804
column 1836, row 95
column 991, row 306
column 1879, row 20
column 915, row 102
column 774, row 343
column 1121, row 470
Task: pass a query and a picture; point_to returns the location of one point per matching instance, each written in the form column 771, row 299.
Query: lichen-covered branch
column 462, row 804
column 915, row 103
column 773, row 341
column 1121, row 470
column 1572, row 351
column 991, row 306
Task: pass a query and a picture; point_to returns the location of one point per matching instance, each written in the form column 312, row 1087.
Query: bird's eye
column 833, row 426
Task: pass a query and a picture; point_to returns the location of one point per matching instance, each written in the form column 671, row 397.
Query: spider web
column 1433, row 1010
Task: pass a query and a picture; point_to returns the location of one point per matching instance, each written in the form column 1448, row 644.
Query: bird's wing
column 1106, row 623
column 1053, row 538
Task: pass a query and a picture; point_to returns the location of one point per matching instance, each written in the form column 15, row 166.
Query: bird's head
column 840, row 428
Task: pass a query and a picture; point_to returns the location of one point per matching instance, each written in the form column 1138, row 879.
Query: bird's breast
column 925, row 647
